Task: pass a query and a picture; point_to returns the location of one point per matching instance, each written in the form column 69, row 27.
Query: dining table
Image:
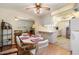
column 32, row 40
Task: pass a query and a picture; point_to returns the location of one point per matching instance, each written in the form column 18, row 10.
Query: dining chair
column 22, row 48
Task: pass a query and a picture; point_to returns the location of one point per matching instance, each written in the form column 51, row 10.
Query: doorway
column 63, row 38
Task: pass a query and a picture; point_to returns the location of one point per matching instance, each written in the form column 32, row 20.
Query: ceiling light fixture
column 37, row 8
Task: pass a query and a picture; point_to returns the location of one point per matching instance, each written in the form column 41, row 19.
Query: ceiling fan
column 38, row 7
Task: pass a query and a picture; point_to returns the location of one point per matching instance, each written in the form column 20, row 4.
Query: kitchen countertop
column 47, row 31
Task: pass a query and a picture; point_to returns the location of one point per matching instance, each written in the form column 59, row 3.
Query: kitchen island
column 50, row 35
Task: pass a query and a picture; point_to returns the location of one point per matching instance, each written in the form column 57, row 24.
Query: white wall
column 23, row 25
column 61, row 25
column 46, row 20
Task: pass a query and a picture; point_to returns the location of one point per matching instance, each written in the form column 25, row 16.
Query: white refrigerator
column 74, row 37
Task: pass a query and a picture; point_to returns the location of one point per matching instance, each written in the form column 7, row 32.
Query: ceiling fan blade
column 29, row 7
column 46, row 8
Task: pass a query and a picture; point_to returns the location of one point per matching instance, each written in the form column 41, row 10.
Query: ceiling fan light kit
column 38, row 8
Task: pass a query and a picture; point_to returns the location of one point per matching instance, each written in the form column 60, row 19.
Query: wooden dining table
column 32, row 40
